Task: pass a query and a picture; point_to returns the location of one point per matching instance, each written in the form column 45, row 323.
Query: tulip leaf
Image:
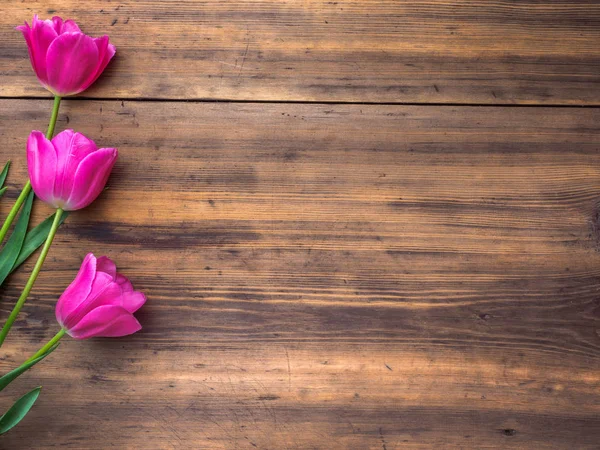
column 11, row 250
column 3, row 178
column 35, row 238
column 18, row 410
column 4, row 173
column 10, row 376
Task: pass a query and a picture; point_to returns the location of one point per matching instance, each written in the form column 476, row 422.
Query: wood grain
column 426, row 51
column 325, row 276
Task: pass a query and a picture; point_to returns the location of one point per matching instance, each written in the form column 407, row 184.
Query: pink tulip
column 68, row 172
column 99, row 303
column 65, row 60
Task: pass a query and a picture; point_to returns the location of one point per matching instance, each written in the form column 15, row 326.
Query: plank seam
column 307, row 102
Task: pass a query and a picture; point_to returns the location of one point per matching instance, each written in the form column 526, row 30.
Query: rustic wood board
column 353, row 51
column 325, row 276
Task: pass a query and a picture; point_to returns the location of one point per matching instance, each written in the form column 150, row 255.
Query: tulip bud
column 65, row 60
column 100, row 302
column 68, row 172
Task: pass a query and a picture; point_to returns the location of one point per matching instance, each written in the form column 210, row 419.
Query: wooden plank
column 325, row 277
column 430, row 51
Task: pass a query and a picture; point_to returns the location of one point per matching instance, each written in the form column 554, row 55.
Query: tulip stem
column 53, row 117
column 32, row 277
column 27, row 188
column 48, row 345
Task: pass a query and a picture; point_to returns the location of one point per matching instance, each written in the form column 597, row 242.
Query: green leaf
column 4, row 173
column 11, row 250
column 35, row 238
column 19, row 410
column 10, row 376
column 3, row 178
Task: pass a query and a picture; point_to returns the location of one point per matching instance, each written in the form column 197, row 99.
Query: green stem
column 32, row 277
column 53, row 117
column 27, row 188
column 48, row 345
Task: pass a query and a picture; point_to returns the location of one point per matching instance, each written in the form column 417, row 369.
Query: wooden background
column 359, row 225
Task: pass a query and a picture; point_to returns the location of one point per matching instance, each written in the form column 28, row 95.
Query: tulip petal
column 62, row 142
column 105, row 53
column 26, row 30
column 106, row 265
column 110, row 295
column 113, row 294
column 132, row 301
column 124, row 282
column 66, row 26
column 63, row 139
column 101, row 282
column 71, row 57
column 57, row 23
column 69, row 26
column 41, row 164
column 38, row 38
column 90, row 178
column 72, row 148
column 78, row 290
column 105, row 321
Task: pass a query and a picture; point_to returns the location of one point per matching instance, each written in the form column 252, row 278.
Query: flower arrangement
column 68, row 172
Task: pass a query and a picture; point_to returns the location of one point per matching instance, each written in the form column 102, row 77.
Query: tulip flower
column 69, row 171
column 65, row 60
column 100, row 302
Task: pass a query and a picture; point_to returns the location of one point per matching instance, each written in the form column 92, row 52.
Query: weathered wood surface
column 325, row 276
column 500, row 52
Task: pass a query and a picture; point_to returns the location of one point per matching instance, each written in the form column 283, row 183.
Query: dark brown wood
column 325, row 276
column 429, row 51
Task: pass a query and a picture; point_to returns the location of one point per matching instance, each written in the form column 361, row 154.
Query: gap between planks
column 305, row 102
